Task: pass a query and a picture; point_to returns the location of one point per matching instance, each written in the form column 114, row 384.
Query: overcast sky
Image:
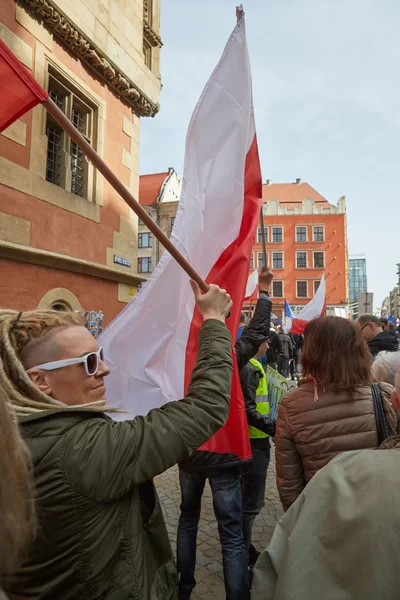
column 326, row 79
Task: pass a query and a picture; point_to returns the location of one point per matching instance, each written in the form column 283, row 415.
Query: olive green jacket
column 101, row 530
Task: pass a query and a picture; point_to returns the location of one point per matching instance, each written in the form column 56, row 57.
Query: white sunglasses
column 90, row 361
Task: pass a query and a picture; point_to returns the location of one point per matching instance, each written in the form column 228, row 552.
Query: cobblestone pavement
column 209, row 575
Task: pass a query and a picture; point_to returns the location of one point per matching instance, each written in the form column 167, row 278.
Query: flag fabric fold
column 151, row 345
column 251, row 292
column 19, row 92
column 314, row 309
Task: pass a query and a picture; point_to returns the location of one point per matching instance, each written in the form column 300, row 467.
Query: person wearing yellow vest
column 261, row 427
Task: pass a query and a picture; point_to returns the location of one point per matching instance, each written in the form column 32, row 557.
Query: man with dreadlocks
column 101, row 533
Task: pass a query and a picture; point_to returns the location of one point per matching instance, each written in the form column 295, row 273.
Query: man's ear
column 40, row 380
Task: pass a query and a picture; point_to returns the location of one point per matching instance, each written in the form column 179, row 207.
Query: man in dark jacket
column 377, row 339
column 274, row 349
column 287, row 353
column 223, row 473
column 297, row 343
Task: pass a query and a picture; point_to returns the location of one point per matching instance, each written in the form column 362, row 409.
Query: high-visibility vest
column 262, row 403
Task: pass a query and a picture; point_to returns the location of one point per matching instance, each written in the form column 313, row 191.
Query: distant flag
column 252, row 287
column 151, row 346
column 314, row 309
column 288, row 317
column 391, row 319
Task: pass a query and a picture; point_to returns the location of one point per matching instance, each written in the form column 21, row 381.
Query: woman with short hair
column 101, row 532
column 332, row 411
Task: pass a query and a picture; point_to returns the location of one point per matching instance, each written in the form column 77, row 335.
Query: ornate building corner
column 150, row 35
column 65, row 30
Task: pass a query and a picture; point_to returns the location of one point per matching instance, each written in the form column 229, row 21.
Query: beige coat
column 310, row 433
column 340, row 539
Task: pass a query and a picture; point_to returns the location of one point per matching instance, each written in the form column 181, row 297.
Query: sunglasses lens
column 102, row 354
column 92, row 363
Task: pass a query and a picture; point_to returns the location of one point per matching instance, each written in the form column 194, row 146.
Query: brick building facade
column 66, row 237
column 306, row 236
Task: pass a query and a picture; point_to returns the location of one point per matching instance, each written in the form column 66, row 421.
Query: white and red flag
column 152, row 344
column 314, row 309
column 251, row 292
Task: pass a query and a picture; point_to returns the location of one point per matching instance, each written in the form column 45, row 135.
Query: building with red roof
column 306, row 236
column 159, row 193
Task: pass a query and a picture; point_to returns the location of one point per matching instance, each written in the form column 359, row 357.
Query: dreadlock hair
column 17, row 517
column 18, row 332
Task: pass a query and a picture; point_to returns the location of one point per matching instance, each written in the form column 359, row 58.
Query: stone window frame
column 323, row 259
column 300, row 241
column 148, row 235
column 61, row 296
column 282, row 234
column 149, row 264
column 282, row 260
column 282, row 283
column 260, row 260
column 74, row 98
column 259, row 235
column 303, row 252
column 44, row 190
column 297, row 288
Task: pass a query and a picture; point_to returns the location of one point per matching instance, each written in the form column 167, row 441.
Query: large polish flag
column 314, row 309
column 151, row 346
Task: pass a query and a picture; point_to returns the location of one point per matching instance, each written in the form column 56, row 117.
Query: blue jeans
column 254, row 476
column 227, row 501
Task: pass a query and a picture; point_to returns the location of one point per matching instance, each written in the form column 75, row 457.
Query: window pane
column 277, row 289
column 318, row 234
column 54, row 161
column 277, row 234
column 301, row 260
column 78, row 160
column 252, row 262
column 301, row 234
column 144, row 265
column 316, row 286
column 277, row 260
column 260, row 260
column 259, row 235
column 78, row 171
column 302, row 289
column 319, row 260
column 144, row 240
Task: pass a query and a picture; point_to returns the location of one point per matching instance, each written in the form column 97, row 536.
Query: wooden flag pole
column 264, row 245
column 98, row 162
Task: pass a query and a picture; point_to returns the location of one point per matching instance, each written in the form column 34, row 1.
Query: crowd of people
column 80, row 516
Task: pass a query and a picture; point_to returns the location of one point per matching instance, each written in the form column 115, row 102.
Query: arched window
column 60, row 299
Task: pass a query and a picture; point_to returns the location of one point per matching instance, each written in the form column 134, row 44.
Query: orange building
column 67, row 240
column 306, row 236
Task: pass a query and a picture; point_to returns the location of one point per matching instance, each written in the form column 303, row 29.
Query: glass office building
column 358, row 277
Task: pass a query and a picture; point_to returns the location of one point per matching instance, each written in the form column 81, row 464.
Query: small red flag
column 19, row 92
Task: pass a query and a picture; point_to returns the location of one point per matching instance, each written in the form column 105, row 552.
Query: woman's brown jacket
column 311, row 432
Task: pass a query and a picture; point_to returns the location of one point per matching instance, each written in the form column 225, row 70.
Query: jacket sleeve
column 290, row 478
column 104, row 459
column 249, row 381
column 247, row 345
